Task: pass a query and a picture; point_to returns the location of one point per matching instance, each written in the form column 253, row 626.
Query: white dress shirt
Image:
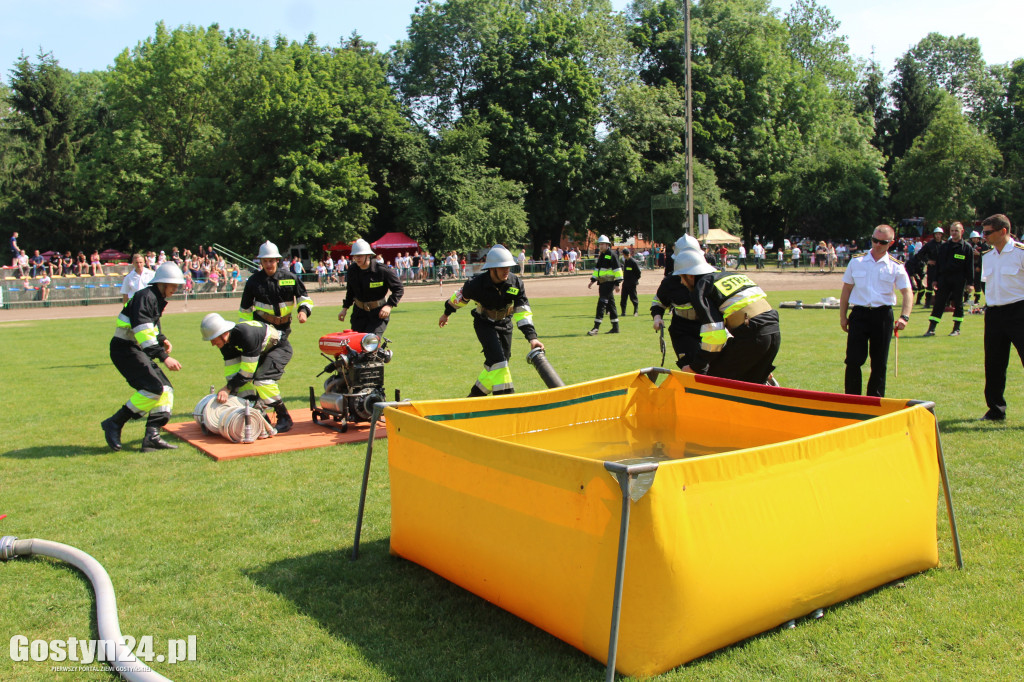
column 875, row 283
column 1003, row 274
column 133, row 281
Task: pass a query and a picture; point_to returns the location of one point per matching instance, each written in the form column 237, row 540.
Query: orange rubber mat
column 304, row 435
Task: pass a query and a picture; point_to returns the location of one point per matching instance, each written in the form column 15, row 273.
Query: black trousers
column 368, row 321
column 685, row 337
column 931, row 276
column 606, row 301
column 628, row 293
column 1004, row 326
column 869, row 331
column 145, row 376
column 750, row 353
column 496, row 342
column 949, row 288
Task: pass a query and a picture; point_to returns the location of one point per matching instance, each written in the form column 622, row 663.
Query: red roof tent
column 388, row 246
column 113, row 254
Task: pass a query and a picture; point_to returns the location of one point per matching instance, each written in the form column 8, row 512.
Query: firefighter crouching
column 273, row 296
column 608, row 275
column 501, row 301
column 373, row 289
column 251, row 352
column 137, row 344
column 739, row 331
column 674, row 298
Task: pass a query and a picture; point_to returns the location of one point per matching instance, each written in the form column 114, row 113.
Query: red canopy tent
column 113, row 254
column 394, row 243
column 338, row 249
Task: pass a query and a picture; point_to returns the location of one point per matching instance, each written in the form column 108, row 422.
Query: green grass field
column 251, row 555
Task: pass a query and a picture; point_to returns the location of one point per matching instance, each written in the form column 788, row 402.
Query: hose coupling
column 7, row 547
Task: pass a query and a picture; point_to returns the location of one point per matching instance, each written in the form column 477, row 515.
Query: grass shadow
column 974, row 425
column 41, row 451
column 413, row 624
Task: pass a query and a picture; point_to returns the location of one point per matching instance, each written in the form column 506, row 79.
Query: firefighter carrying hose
column 373, row 289
column 137, row 344
column 739, row 331
column 608, row 275
column 251, row 351
column 500, row 301
column 273, row 296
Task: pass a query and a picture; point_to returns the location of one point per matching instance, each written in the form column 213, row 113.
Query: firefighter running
column 251, row 353
column 739, row 330
column 137, row 344
column 608, row 275
column 273, row 296
column 500, row 301
column 373, row 288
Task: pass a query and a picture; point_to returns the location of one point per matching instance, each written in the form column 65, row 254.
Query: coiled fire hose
column 125, row 662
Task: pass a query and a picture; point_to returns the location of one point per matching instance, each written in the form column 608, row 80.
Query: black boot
column 284, row 420
column 614, row 329
column 112, row 427
column 931, row 329
column 153, row 441
column 476, row 392
column 593, row 332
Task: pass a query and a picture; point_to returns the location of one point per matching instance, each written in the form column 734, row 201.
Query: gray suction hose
column 125, row 663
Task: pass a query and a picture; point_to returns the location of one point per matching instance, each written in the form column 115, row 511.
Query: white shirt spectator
column 875, row 283
column 134, row 281
column 1003, row 273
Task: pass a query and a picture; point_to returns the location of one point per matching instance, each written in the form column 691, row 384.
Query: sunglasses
column 880, row 241
column 988, row 232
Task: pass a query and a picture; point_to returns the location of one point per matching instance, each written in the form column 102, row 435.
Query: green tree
column 472, row 206
column 536, row 72
column 949, row 170
column 1008, row 132
column 914, row 102
column 46, row 125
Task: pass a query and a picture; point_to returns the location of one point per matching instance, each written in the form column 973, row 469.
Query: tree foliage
column 950, row 169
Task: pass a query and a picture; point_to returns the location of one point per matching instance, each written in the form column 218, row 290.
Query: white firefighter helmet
column 361, row 247
column 498, row 257
column 938, row 230
column 213, row 325
column 603, row 239
column 691, row 263
column 268, row 249
column 168, row 272
column 686, row 242
column 974, row 234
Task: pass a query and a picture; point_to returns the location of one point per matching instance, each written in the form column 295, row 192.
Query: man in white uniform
column 137, row 278
column 869, row 285
column 1002, row 270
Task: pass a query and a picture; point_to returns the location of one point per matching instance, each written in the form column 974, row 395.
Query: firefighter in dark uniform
column 251, row 354
column 137, row 344
column 673, row 298
column 955, row 266
column 630, row 278
column 500, row 302
column 608, row 276
column 980, row 249
column 915, row 271
column 930, row 256
column 374, row 289
column 273, row 296
column 739, row 333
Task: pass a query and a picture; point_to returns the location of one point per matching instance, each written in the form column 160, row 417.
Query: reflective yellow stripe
column 741, row 300
column 497, row 377
column 713, row 337
column 457, row 300
column 522, row 316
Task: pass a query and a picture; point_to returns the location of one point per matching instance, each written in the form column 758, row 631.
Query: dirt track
column 536, row 287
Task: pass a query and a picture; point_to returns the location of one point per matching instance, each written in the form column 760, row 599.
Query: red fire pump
column 356, row 381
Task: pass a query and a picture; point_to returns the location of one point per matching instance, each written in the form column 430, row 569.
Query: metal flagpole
column 689, row 126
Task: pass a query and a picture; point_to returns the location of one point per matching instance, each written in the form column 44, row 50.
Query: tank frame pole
column 378, row 409
column 625, row 474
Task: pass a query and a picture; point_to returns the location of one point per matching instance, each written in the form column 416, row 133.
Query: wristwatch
column 905, row 318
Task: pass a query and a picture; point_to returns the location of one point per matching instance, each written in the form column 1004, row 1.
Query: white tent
column 717, row 236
